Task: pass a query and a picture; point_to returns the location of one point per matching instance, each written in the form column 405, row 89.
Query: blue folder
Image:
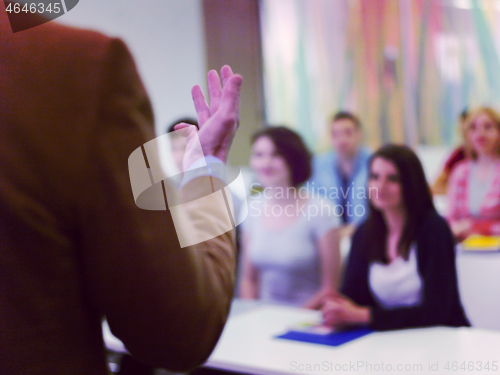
column 332, row 339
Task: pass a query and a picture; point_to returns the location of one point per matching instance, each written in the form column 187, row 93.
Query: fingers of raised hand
column 223, row 109
column 200, row 105
column 230, row 100
column 226, row 72
column 214, row 91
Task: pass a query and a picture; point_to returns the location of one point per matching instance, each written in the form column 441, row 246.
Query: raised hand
column 218, row 120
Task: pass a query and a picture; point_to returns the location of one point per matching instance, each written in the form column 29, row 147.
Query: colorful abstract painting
column 407, row 68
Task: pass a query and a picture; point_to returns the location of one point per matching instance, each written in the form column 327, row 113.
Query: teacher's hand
column 218, row 121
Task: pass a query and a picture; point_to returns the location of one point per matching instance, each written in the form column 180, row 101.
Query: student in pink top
column 474, row 188
column 440, row 186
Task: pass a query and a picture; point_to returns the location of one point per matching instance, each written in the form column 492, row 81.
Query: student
column 290, row 240
column 440, row 186
column 342, row 172
column 474, row 188
column 401, row 270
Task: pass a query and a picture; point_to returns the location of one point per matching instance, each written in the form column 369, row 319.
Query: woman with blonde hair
column 474, row 187
column 440, row 186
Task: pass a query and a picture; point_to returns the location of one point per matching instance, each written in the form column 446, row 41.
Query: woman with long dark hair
column 401, row 270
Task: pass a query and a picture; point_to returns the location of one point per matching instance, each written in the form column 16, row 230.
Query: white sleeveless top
column 398, row 283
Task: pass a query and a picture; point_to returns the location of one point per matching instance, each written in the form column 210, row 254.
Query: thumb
column 183, row 129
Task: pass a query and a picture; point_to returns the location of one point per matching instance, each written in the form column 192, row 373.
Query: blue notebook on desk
column 325, row 338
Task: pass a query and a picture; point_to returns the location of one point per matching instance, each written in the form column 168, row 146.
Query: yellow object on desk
column 477, row 242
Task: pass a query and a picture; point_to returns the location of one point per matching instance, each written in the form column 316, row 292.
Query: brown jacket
column 73, row 245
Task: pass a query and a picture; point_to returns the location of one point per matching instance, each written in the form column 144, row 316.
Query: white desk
column 479, row 285
column 248, row 345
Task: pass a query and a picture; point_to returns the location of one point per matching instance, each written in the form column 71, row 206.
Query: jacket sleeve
column 167, row 304
column 440, row 301
column 355, row 283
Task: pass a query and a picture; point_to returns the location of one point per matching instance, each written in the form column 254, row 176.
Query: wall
column 166, row 39
column 232, row 36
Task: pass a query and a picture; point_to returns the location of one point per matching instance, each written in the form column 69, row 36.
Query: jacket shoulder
column 54, row 41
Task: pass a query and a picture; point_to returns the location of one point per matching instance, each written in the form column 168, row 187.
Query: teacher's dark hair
column 417, row 200
column 291, row 147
